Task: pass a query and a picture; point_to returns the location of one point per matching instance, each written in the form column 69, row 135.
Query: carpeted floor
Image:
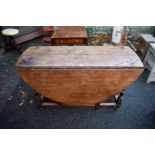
column 18, row 105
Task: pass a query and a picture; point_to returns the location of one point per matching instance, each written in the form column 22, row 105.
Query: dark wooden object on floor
column 143, row 45
column 11, row 44
column 79, row 75
column 71, row 35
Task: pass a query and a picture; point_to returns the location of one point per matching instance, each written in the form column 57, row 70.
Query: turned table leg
column 118, row 99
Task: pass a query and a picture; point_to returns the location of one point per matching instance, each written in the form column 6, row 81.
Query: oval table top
column 79, row 57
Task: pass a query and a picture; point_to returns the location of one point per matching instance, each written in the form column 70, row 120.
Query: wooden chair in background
column 47, row 33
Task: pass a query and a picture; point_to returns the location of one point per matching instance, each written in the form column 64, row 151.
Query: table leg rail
column 46, row 102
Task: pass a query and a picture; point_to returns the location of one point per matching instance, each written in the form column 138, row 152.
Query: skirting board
column 28, row 37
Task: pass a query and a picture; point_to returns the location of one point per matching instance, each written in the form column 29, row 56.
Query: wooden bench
column 149, row 62
column 143, row 45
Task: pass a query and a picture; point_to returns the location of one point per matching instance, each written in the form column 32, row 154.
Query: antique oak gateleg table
column 69, row 35
column 79, row 75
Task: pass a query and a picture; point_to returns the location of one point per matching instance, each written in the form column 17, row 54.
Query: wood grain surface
column 79, row 57
column 70, row 32
column 69, row 35
column 81, row 75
